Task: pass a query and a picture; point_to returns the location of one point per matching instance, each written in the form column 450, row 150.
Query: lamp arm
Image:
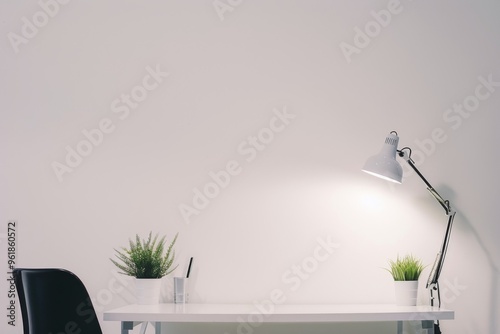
column 432, row 281
column 444, row 203
column 438, row 263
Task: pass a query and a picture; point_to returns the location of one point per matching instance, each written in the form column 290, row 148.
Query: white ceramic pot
column 406, row 292
column 148, row 290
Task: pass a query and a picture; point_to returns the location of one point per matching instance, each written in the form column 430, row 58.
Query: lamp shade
column 384, row 164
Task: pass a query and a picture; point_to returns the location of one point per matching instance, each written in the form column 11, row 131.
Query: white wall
column 230, row 71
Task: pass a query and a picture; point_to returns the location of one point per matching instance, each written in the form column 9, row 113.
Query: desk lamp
column 385, row 166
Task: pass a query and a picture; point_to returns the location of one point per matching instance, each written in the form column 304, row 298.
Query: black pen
column 189, row 267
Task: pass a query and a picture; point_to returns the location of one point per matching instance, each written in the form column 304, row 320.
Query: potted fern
column 148, row 260
column 405, row 271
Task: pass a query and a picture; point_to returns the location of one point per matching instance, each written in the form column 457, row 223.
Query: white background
column 230, row 70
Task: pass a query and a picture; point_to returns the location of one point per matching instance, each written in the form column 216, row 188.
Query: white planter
column 406, row 292
column 148, row 290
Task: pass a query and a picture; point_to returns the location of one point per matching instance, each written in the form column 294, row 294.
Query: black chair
column 54, row 301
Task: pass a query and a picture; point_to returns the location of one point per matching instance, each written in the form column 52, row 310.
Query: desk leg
column 429, row 325
column 143, row 327
column 157, row 326
column 126, row 326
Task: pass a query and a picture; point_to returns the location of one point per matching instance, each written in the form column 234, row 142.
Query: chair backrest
column 54, row 301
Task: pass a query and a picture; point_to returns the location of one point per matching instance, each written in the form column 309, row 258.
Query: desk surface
column 275, row 313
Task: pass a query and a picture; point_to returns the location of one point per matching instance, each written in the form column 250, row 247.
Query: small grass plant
column 146, row 258
column 407, row 268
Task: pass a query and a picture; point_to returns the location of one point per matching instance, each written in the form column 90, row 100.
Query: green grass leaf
column 146, row 258
column 407, row 268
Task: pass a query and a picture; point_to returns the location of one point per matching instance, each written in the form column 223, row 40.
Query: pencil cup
column 180, row 296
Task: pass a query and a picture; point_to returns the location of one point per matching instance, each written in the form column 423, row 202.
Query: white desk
column 132, row 315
